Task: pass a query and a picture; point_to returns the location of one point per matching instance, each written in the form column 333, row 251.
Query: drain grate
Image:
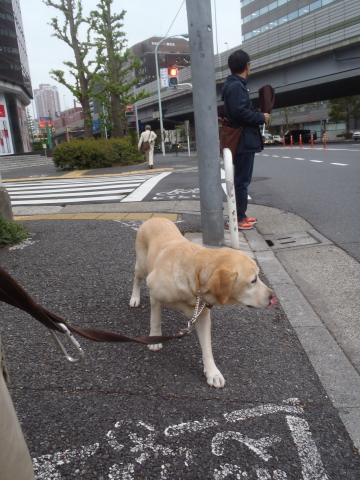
column 296, row 239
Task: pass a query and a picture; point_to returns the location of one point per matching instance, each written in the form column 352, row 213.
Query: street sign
column 129, row 108
column 164, row 82
column 96, row 125
column 187, row 127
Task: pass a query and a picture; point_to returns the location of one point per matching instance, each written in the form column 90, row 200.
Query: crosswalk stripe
column 68, row 188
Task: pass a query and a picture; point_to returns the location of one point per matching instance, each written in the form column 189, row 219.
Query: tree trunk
column 116, row 112
column 83, row 81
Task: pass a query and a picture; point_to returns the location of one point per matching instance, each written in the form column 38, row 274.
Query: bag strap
column 13, row 294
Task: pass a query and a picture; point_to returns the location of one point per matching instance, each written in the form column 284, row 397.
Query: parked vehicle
column 175, row 147
column 277, row 139
column 356, row 135
column 306, row 136
column 268, row 139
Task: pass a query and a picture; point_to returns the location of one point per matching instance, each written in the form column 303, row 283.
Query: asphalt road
column 322, row 186
column 128, row 413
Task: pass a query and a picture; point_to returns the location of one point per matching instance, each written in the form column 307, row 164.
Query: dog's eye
column 254, row 281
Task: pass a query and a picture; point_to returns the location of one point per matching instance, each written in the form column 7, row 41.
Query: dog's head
column 233, row 278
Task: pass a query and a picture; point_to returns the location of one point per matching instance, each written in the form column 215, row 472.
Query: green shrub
column 11, row 233
column 127, row 153
column 91, row 153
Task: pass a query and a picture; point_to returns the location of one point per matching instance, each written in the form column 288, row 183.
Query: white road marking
column 316, row 161
column 25, row 243
column 341, row 164
column 104, row 198
column 151, row 447
column 258, row 446
column 299, row 158
column 195, row 426
column 145, row 188
column 239, row 415
column 45, row 466
column 312, row 467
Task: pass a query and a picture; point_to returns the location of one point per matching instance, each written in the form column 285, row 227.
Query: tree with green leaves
column 30, row 125
column 118, row 65
column 343, row 109
column 83, row 70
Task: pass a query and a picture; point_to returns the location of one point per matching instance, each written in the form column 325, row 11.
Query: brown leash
column 13, row 294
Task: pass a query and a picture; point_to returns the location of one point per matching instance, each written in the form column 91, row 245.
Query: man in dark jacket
column 240, row 112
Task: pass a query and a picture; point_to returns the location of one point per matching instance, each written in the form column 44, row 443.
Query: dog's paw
column 215, row 379
column 155, row 347
column 134, row 302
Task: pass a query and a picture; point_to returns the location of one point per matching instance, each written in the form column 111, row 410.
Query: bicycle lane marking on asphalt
column 146, row 446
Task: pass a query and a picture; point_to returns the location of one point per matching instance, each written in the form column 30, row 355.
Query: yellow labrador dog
column 176, row 269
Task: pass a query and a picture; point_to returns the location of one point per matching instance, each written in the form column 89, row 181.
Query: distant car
column 277, row 139
column 356, row 135
column 268, row 139
column 175, row 147
column 306, row 136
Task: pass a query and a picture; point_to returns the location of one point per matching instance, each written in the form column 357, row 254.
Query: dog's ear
column 221, row 283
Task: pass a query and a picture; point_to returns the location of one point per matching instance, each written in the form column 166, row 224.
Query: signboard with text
column 164, row 81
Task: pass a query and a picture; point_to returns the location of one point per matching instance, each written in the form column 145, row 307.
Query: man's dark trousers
column 244, row 164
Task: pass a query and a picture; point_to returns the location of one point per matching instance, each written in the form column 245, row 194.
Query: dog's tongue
column 273, row 300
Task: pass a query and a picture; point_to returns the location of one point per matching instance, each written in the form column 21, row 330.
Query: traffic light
column 173, row 73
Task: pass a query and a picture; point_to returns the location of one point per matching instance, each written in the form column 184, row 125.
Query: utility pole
column 206, row 120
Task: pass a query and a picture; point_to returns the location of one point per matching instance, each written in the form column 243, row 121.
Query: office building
column 47, row 101
column 260, row 16
column 15, row 83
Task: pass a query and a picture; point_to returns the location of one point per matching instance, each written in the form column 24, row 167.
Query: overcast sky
column 142, row 20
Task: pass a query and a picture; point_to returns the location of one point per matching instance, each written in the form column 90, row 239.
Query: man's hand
column 267, row 116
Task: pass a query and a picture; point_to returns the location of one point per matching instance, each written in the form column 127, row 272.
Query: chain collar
column 200, row 304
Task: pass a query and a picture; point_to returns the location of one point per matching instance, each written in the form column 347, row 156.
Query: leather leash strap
column 13, row 294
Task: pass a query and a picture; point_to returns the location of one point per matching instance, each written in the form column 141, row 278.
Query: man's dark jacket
column 239, row 111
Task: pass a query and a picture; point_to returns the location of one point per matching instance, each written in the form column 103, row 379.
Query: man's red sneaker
column 250, row 220
column 243, row 225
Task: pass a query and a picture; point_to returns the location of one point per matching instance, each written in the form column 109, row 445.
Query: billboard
column 44, row 120
column 24, row 127
column 6, row 144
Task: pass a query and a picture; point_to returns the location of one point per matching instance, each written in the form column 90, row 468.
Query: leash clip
column 199, row 307
column 72, row 340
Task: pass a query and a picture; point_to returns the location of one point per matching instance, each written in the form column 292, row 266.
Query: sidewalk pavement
column 316, row 282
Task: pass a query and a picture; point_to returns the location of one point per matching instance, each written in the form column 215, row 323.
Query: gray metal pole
column 206, row 120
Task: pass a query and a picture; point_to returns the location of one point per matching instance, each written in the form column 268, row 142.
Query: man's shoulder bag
column 229, row 137
column 146, row 145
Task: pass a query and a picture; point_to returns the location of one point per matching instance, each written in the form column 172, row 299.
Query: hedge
column 87, row 153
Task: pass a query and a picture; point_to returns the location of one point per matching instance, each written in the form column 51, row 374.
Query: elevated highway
column 313, row 58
